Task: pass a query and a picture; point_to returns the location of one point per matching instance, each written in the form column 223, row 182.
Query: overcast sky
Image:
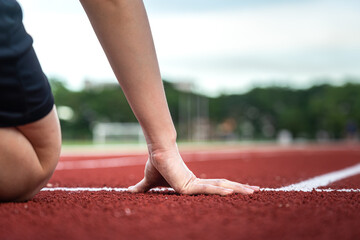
column 219, row 45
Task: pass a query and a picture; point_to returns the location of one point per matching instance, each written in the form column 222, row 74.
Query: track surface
column 167, row 215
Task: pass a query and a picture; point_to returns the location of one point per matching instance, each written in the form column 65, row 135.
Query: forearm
column 123, row 30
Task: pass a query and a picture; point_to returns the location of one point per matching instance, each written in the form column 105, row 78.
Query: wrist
column 162, row 146
column 165, row 141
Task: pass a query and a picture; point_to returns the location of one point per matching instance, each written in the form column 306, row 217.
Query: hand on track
column 166, row 168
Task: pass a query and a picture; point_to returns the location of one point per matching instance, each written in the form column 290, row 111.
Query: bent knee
column 24, row 168
column 40, row 178
column 39, row 182
column 27, row 187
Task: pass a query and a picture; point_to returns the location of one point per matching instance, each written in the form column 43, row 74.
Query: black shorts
column 25, row 94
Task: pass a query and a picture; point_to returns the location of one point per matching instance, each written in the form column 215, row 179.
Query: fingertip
column 248, row 191
column 228, row 191
column 131, row 189
column 136, row 189
column 140, row 187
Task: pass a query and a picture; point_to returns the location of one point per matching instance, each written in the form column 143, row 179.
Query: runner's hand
column 166, row 168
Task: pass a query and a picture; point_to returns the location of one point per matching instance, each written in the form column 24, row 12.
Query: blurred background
column 267, row 70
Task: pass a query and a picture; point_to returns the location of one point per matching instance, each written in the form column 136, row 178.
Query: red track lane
column 103, row 215
column 265, row 215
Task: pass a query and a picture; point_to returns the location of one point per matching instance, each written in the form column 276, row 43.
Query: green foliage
column 102, row 103
column 303, row 112
column 266, row 110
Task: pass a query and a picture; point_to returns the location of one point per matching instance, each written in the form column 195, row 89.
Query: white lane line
column 322, row 180
column 110, row 189
column 315, row 189
column 84, row 189
column 101, row 163
column 128, row 161
column 263, row 150
column 95, row 189
column 338, row 190
column 141, row 160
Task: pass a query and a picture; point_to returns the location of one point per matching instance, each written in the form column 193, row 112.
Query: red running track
column 270, row 215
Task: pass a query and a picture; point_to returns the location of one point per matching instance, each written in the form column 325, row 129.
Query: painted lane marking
column 264, row 150
column 95, row 189
column 315, row 189
column 101, row 163
column 124, row 162
column 140, row 159
column 131, row 161
column 337, row 190
column 110, row 189
column 322, row 180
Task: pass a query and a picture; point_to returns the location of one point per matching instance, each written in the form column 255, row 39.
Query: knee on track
column 40, row 180
column 28, row 186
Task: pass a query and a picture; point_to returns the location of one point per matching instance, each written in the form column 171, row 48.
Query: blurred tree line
column 322, row 111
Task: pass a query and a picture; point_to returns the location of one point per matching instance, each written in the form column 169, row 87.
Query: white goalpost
column 127, row 132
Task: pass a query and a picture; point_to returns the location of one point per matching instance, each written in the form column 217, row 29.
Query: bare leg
column 29, row 154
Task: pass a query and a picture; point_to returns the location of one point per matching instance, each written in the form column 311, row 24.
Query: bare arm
column 124, row 33
column 123, row 30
